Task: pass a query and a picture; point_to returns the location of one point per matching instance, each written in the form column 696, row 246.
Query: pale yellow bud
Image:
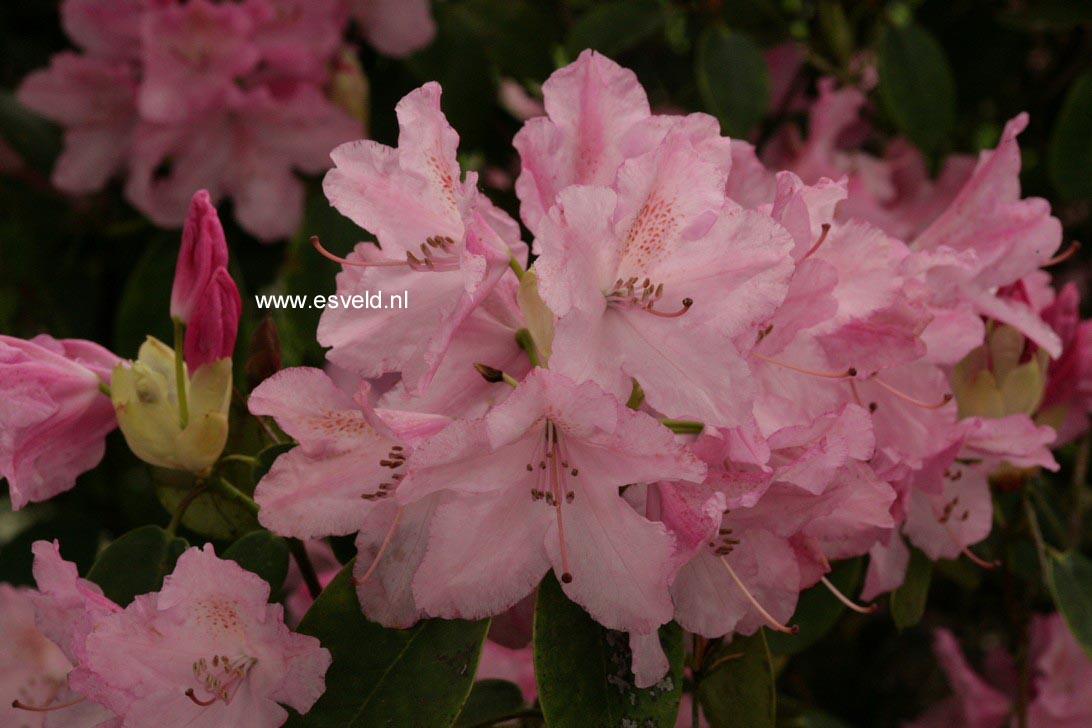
column 540, row 319
column 991, row 381
column 145, row 397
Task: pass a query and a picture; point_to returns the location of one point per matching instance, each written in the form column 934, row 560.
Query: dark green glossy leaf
column 818, row 610
column 916, row 85
column 267, row 457
column 1070, row 153
column 736, row 688
column 908, row 601
column 263, row 553
column 136, row 563
column 583, row 669
column 615, row 27
column 1071, row 586
column 388, row 677
column 732, row 78
column 489, row 702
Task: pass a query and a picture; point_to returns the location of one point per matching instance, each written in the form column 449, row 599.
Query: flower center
column 554, row 468
column 220, row 678
column 395, row 460
column 626, row 294
column 437, row 254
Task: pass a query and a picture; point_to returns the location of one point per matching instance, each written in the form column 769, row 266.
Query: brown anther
column 570, row 496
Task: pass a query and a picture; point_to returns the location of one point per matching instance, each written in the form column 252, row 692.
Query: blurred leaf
column 211, row 513
column 736, row 689
column 36, row 140
column 817, row 719
column 490, row 701
column 1070, row 582
column 732, row 78
column 1070, row 153
column 263, row 553
column 908, row 601
column 517, row 35
column 388, row 677
column 818, row 610
column 583, row 669
column 614, row 27
column 1047, row 15
column 144, row 309
column 136, row 563
column 916, row 85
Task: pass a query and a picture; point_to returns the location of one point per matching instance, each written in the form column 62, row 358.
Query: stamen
column 359, row 263
column 912, row 400
column 1063, row 256
column 203, row 703
column 555, row 486
column 846, row 600
column 20, row 705
column 822, row 237
column 847, row 374
column 773, row 623
column 686, row 304
column 978, row 560
column 382, row 550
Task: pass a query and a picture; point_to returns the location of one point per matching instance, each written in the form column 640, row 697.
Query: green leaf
column 1070, row 155
column 489, row 702
column 144, row 309
column 263, row 553
column 817, row 719
column 36, row 140
column 732, row 78
column 818, row 610
column 583, row 669
column 136, row 563
column 517, row 35
column 1070, row 584
column 211, row 514
column 736, row 688
column 908, row 601
column 916, row 85
column 614, row 27
column 388, row 677
column 267, row 456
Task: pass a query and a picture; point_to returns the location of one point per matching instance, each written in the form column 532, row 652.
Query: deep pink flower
column 1067, row 399
column 55, row 417
column 211, row 333
column 538, row 478
column 203, row 250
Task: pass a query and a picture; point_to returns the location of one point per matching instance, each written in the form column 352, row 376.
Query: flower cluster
column 712, row 380
column 1059, row 682
column 228, row 96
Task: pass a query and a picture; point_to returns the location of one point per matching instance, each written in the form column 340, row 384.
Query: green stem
column 1037, row 535
column 527, row 343
column 516, row 267
column 183, row 505
column 247, row 459
column 307, row 569
column 232, row 493
column 636, row 396
column 1077, row 485
column 683, row 427
column 180, row 375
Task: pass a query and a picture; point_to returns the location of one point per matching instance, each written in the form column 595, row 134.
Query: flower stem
column 180, row 375
column 232, row 493
column 183, row 505
column 516, row 267
column 683, row 427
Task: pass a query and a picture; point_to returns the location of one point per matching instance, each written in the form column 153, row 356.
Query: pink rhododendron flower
column 180, row 96
column 206, row 650
column 203, row 250
column 539, row 475
column 442, row 242
column 1067, row 398
column 32, row 668
column 55, row 417
column 1060, row 695
column 505, row 663
column 340, row 480
column 395, row 27
column 211, row 333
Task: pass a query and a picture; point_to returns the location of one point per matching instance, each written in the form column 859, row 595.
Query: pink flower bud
column 203, row 251
column 214, row 322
